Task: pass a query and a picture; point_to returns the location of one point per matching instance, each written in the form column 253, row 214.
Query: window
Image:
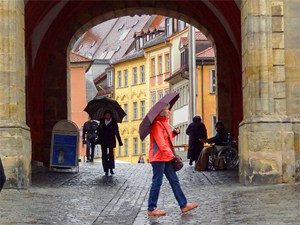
column 213, row 123
column 167, row 91
column 119, row 79
column 183, row 59
column 125, row 78
column 126, row 146
column 141, row 42
column 160, row 95
column 135, row 146
column 135, row 76
column 135, row 110
column 181, row 25
column 143, row 147
column 167, row 60
column 109, row 78
column 213, row 81
column 126, row 111
column 153, row 98
column 153, row 67
column 120, row 151
column 142, row 109
column 160, row 65
column 142, row 71
column 169, row 26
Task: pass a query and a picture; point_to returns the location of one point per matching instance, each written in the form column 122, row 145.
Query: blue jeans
column 159, row 169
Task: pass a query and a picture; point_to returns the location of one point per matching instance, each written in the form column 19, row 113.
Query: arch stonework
column 257, row 50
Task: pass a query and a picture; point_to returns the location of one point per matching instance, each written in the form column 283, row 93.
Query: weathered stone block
column 278, row 73
column 277, row 40
column 279, row 90
column 292, row 57
column 264, row 165
column 263, row 141
column 280, row 106
column 277, row 24
column 278, row 57
column 277, row 8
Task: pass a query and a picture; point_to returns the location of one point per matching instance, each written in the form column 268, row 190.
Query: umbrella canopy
column 96, row 108
column 145, row 125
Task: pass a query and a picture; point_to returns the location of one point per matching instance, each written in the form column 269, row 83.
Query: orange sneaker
column 156, row 212
column 189, row 207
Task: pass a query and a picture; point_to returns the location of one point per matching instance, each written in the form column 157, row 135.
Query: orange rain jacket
column 160, row 147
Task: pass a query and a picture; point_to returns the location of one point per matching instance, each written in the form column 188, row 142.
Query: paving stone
column 90, row 198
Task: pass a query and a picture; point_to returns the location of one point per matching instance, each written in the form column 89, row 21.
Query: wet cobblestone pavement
column 89, row 198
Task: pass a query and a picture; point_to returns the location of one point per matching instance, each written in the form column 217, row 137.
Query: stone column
column 266, row 141
column 15, row 140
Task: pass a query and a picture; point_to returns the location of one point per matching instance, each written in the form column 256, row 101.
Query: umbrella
column 145, row 125
column 96, row 108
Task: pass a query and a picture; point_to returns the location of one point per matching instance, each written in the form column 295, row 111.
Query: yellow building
column 206, row 89
column 130, row 86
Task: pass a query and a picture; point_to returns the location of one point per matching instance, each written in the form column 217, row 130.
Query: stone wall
column 15, row 140
column 269, row 139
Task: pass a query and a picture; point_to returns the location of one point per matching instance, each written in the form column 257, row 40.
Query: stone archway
column 88, row 16
column 258, row 41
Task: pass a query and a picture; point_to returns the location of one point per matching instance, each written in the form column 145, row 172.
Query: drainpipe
column 202, row 89
column 192, row 71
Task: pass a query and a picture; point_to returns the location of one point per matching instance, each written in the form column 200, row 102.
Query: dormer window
column 169, row 27
column 121, row 26
column 135, row 23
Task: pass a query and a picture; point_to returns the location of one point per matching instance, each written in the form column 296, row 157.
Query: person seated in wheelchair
column 220, row 139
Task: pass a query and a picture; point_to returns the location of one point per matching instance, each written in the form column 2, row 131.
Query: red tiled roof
column 207, row 53
column 184, row 41
column 199, row 36
column 74, row 57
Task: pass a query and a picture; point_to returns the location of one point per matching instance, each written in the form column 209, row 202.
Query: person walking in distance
column 196, row 131
column 88, row 137
column 108, row 131
column 160, row 157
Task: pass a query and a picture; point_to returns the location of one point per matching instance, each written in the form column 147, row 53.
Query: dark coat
column 2, row 176
column 89, row 130
column 107, row 134
column 196, row 131
column 220, row 138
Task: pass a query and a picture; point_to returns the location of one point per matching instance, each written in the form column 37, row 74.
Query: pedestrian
column 89, row 134
column 160, row 157
column 196, row 131
column 220, row 139
column 108, row 131
column 141, row 159
column 2, row 176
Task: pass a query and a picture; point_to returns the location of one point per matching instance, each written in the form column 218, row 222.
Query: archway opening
column 47, row 86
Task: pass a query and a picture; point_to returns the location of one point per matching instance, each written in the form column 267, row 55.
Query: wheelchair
column 227, row 153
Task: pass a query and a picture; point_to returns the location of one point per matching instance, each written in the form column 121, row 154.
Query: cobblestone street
column 88, row 197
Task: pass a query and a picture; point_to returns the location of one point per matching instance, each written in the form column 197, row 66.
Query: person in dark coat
column 108, row 131
column 89, row 137
column 219, row 139
column 2, row 176
column 196, row 131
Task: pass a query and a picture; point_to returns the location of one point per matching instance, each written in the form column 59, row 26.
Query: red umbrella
column 145, row 125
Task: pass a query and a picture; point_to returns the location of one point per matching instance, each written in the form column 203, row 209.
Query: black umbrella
column 145, row 125
column 96, row 108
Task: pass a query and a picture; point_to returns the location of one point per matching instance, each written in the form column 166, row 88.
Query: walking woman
column 108, row 131
column 160, row 157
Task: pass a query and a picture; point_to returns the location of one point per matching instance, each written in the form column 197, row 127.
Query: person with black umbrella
column 108, row 131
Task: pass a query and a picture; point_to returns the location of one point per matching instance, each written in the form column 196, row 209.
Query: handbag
column 177, row 161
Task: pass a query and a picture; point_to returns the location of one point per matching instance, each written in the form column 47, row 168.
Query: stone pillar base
column 266, row 151
column 15, row 153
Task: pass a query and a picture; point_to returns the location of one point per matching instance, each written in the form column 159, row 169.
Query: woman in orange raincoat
column 160, row 157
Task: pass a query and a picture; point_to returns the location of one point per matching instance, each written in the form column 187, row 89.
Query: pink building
column 78, row 67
